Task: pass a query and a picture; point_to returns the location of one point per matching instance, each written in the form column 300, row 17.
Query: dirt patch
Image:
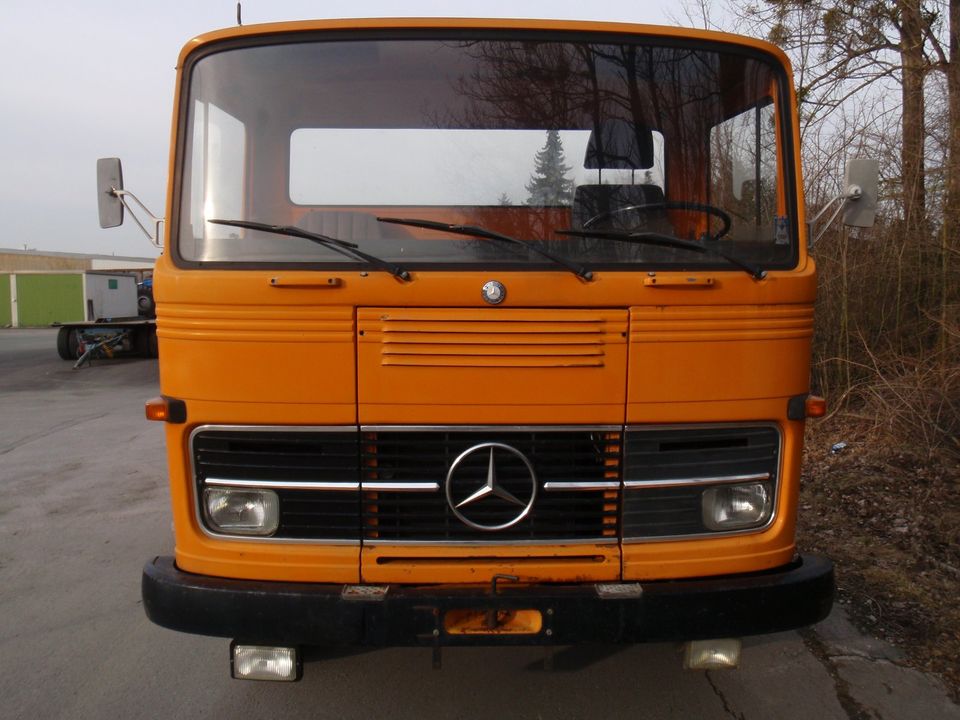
column 890, row 519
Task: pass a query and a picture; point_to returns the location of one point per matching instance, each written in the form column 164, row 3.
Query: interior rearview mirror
column 860, row 183
column 620, row 145
column 109, row 179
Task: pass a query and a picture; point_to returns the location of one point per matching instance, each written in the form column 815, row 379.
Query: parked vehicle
column 483, row 332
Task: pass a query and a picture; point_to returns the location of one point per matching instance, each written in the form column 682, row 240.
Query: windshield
column 521, row 137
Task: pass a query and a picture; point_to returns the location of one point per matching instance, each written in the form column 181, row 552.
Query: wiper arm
column 479, row 232
column 343, row 247
column 652, row 238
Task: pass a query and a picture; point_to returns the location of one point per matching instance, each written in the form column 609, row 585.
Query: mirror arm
column 853, row 193
column 122, row 195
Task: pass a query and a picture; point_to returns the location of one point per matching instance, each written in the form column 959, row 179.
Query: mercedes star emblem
column 493, row 292
column 491, row 486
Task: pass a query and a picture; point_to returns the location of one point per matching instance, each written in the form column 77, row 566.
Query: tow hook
column 492, row 620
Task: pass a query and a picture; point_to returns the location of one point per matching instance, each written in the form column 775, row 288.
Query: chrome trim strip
column 627, row 540
column 585, row 485
column 399, row 486
column 272, row 428
column 686, row 482
column 488, row 428
column 703, row 426
column 379, row 543
column 253, row 538
column 284, row 484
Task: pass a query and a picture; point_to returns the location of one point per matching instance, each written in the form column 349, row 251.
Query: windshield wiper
column 652, row 238
column 479, row 232
column 341, row 246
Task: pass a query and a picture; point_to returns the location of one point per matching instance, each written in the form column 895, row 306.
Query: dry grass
column 888, row 513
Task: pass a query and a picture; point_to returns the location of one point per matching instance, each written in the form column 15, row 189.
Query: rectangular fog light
column 711, row 654
column 244, row 511
column 260, row 662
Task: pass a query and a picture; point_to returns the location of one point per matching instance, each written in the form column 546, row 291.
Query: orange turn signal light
column 157, row 409
column 815, row 406
column 164, row 409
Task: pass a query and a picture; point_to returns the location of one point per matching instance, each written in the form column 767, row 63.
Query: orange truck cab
column 483, row 332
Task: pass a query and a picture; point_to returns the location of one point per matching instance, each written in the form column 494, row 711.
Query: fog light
column 711, row 654
column 241, row 512
column 734, row 507
column 257, row 662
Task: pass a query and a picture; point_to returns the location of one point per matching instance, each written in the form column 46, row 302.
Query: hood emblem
column 491, row 493
column 493, row 292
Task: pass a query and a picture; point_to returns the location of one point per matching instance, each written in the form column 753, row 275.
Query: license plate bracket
column 492, row 621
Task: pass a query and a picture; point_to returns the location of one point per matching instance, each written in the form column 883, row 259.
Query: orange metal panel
column 461, row 289
column 481, row 23
column 718, row 353
column 474, row 365
column 479, row 563
column 271, row 355
column 195, row 552
column 749, row 552
column 261, row 353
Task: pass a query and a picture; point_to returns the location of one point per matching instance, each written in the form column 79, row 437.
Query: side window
column 743, row 173
column 217, row 169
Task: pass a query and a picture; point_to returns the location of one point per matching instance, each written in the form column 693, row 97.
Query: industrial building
column 39, row 288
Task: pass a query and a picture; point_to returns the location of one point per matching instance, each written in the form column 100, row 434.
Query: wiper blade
column 652, row 238
column 343, row 247
column 479, row 232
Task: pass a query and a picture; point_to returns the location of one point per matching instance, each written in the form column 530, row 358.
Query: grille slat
column 556, row 456
column 688, row 453
column 420, row 456
column 290, row 456
column 426, row 455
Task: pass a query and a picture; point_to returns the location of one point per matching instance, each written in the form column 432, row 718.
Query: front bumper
column 792, row 596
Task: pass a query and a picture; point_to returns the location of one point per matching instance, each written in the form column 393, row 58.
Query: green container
column 46, row 299
column 6, row 316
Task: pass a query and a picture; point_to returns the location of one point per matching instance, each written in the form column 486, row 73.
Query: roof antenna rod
column 239, row 19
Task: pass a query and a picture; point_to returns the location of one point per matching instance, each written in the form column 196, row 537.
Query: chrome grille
column 561, row 459
column 667, row 469
column 292, row 458
column 402, row 475
column 386, row 485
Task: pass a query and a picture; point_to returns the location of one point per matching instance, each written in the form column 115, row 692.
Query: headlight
column 241, row 512
column 254, row 662
column 734, row 507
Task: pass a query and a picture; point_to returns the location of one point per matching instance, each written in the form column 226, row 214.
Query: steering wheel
column 668, row 205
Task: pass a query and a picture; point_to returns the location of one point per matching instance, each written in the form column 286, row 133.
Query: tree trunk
column 950, row 303
column 912, row 60
column 912, row 166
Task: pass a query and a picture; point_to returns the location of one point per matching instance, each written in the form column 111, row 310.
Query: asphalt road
column 84, row 502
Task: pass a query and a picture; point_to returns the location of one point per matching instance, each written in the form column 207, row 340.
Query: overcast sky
column 90, row 79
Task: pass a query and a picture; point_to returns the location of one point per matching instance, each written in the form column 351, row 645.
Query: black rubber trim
column 176, row 410
column 793, row 596
column 797, row 408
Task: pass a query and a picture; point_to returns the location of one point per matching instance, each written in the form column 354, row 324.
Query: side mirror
column 860, row 182
column 109, row 180
column 741, row 175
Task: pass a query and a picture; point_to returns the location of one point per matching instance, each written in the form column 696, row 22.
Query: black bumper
column 793, row 596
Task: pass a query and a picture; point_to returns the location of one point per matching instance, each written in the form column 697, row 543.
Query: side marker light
column 815, row 406
column 164, row 409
